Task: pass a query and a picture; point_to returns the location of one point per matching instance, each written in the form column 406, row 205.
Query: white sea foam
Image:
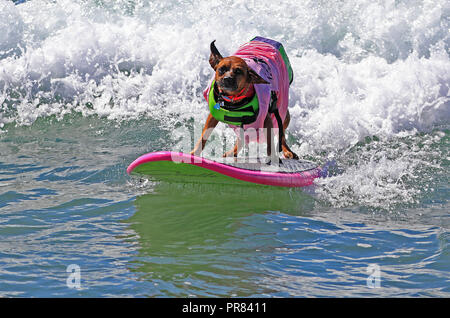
column 361, row 68
column 338, row 104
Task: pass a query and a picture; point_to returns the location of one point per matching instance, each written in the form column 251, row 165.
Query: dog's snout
column 229, row 81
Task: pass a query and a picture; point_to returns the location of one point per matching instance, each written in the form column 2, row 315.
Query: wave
column 364, row 68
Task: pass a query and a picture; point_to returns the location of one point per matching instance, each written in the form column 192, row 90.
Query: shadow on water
column 208, row 240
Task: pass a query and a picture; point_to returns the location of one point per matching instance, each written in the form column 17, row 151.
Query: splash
column 388, row 174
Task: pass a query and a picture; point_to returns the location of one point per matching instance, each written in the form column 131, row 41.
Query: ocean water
column 88, row 86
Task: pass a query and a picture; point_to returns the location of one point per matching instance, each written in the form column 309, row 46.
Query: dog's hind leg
column 287, row 152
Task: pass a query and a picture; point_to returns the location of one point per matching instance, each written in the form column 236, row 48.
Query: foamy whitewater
column 370, row 95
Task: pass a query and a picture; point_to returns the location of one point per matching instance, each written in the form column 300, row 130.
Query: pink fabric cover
column 274, row 71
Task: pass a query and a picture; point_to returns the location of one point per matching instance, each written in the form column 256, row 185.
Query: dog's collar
column 247, row 92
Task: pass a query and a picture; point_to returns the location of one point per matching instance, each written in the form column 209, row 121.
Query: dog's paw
column 229, row 153
column 195, row 152
column 290, row 155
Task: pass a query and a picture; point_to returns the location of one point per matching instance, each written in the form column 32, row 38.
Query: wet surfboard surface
column 181, row 167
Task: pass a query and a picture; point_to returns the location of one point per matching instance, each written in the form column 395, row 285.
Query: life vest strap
column 273, row 109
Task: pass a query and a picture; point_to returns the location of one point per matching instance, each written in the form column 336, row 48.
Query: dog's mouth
column 227, row 85
column 228, row 90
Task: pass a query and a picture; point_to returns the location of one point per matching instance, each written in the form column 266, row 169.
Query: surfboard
column 181, row 167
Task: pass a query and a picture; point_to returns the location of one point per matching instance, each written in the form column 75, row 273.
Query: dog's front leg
column 210, row 124
column 234, row 152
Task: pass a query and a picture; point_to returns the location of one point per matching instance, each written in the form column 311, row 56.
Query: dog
column 256, row 68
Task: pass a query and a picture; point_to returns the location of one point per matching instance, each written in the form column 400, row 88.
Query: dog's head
column 232, row 73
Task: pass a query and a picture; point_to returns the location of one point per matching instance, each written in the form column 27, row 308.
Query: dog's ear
column 215, row 56
column 254, row 78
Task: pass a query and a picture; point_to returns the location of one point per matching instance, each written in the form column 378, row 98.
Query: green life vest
column 240, row 115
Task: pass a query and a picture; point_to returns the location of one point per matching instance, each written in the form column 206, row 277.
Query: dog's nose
column 229, row 81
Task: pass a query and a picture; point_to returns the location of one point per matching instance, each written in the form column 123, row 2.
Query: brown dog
column 235, row 79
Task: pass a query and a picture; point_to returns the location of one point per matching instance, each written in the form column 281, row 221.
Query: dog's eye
column 222, row 70
column 237, row 71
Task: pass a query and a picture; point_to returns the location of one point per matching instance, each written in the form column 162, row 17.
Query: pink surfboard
column 181, row 167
